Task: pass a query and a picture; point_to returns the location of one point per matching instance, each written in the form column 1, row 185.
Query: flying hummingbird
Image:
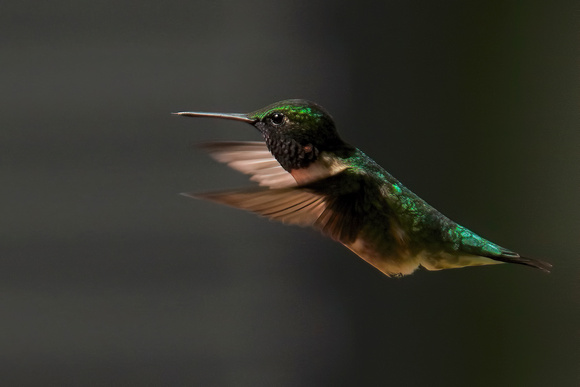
column 310, row 177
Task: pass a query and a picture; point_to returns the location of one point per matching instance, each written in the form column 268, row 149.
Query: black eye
column 277, row 118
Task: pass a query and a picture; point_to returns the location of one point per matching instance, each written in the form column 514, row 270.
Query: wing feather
column 252, row 158
column 287, row 205
column 292, row 206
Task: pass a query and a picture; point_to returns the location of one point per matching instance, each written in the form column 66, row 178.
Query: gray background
column 107, row 275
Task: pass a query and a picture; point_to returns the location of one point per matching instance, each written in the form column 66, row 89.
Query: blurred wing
column 290, row 206
column 252, row 158
column 293, row 206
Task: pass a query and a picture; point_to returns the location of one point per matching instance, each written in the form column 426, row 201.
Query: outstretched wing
column 295, row 206
column 252, row 158
column 287, row 205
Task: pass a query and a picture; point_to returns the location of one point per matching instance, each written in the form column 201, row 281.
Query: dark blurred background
column 108, row 276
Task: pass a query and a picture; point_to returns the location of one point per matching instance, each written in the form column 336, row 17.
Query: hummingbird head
column 296, row 131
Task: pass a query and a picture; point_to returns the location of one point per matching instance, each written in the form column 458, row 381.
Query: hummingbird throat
column 290, row 153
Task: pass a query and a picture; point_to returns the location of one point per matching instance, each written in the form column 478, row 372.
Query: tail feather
column 538, row 264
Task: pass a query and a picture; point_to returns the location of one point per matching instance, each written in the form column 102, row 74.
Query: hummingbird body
column 311, row 177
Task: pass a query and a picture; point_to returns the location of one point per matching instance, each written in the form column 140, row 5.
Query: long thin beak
column 227, row 116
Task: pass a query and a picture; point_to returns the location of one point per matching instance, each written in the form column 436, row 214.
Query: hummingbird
column 308, row 176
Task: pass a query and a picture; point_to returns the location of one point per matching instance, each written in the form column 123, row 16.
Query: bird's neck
column 293, row 154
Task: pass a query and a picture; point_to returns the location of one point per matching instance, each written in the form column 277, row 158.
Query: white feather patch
column 325, row 166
